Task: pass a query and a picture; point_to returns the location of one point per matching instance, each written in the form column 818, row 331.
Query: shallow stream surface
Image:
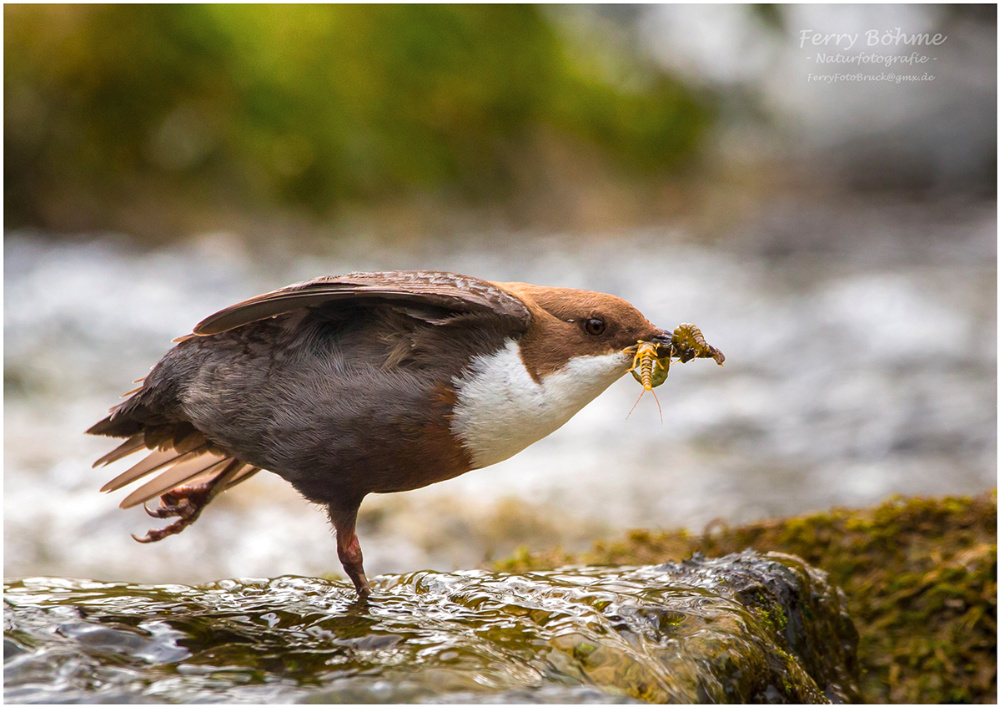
column 744, row 628
column 860, row 344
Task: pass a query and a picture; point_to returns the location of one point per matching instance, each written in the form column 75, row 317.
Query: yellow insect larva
column 651, row 364
column 650, row 367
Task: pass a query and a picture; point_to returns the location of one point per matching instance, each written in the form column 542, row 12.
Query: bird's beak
column 664, row 337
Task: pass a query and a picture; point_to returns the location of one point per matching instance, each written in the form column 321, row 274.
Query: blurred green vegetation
column 226, row 106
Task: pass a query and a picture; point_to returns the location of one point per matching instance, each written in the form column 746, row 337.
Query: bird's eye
column 594, row 326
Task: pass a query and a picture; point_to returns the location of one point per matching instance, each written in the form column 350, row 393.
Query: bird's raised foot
column 184, row 503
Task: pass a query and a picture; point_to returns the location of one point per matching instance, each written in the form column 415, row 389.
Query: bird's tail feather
column 178, row 451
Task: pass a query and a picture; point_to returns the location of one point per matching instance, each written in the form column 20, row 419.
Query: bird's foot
column 185, row 503
column 361, row 585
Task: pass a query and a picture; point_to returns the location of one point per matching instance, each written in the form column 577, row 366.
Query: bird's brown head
column 567, row 323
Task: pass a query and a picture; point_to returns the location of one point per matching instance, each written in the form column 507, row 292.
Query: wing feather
column 449, row 291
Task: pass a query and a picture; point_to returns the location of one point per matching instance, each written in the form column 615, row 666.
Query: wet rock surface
column 742, row 628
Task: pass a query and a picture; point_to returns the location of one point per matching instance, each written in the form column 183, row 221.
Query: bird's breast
column 501, row 409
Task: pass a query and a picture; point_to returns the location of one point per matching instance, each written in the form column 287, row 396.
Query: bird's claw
column 157, row 534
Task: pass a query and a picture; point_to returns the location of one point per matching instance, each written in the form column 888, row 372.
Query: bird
column 370, row 382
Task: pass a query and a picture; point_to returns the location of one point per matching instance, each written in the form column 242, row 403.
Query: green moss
column 920, row 575
column 775, row 618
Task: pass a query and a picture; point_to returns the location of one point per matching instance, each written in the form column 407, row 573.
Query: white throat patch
column 501, row 409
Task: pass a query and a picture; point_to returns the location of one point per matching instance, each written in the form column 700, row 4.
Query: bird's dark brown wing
column 445, row 290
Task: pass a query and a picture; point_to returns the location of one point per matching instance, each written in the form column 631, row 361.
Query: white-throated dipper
column 367, row 383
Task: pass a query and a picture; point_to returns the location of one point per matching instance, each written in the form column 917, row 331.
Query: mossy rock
column 920, row 577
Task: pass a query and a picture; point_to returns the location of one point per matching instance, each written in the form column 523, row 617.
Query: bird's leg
column 187, row 503
column 344, row 518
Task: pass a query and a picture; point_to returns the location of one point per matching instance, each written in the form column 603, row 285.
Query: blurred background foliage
column 223, row 108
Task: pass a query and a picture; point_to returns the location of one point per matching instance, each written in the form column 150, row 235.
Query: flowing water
column 744, row 628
